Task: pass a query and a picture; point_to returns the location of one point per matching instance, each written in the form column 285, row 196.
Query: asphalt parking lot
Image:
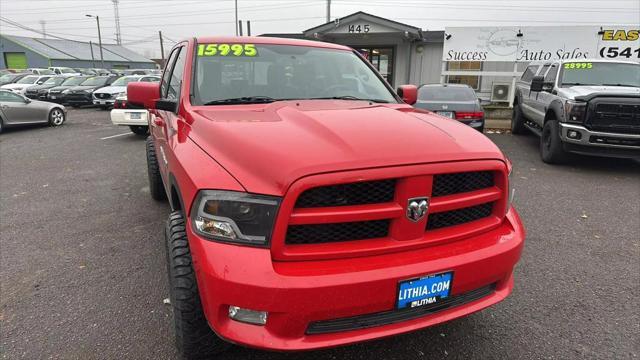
column 83, row 274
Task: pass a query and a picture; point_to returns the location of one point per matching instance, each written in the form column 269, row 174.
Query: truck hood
column 112, row 90
column 268, row 147
column 574, row 91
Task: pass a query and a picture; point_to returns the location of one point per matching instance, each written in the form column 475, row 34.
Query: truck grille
column 373, row 209
column 367, row 192
column 325, row 233
column 460, row 216
column 449, row 184
column 614, row 115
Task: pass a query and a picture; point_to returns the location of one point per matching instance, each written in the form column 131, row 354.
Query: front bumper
column 78, row 99
column 124, row 117
column 105, row 102
column 299, row 293
column 579, row 139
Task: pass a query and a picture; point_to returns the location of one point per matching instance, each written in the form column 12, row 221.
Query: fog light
column 572, row 134
column 247, row 316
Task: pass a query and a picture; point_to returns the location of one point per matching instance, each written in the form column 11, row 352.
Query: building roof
column 76, row 50
column 363, row 16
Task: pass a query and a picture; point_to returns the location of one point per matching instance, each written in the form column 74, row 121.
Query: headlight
column 65, row 91
column 575, row 111
column 235, row 216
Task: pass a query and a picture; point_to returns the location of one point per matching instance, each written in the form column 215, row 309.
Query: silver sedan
column 17, row 110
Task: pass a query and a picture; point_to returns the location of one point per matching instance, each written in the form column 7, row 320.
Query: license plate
column 53, row 97
column 426, row 290
column 135, row 116
column 448, row 114
column 102, row 102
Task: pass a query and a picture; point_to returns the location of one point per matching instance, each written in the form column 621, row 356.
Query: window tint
column 544, row 69
column 176, row 76
column 551, row 75
column 528, row 73
column 446, row 93
column 164, row 82
column 8, row 96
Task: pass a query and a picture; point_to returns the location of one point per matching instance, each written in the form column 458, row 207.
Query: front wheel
column 194, row 337
column 551, row 150
column 139, row 130
column 56, row 117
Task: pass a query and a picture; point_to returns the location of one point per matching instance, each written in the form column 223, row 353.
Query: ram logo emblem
column 417, row 208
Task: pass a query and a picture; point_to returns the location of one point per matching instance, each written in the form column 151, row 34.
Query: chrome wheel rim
column 57, row 117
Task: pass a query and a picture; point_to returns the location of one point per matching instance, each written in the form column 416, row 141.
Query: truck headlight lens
column 575, row 111
column 235, row 216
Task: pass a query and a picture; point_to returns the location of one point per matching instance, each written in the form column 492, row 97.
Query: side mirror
column 27, row 100
column 408, row 93
column 537, row 83
column 168, row 105
column 143, row 94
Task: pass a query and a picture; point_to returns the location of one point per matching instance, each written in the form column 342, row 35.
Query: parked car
column 83, row 93
column 26, row 82
column 83, row 71
column 133, row 116
column 40, row 91
column 17, row 110
column 39, row 71
column 65, row 71
column 119, row 72
column 454, row 101
column 312, row 205
column 102, row 72
column 56, row 94
column 12, row 78
column 585, row 106
column 105, row 96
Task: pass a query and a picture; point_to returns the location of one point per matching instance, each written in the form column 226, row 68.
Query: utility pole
column 44, row 31
column 328, row 10
column 117, row 17
column 236, row 1
column 93, row 61
column 161, row 47
column 99, row 38
column 248, row 28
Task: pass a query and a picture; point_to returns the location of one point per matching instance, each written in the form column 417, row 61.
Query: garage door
column 15, row 60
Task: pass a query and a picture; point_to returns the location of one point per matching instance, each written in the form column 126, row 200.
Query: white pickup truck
column 589, row 107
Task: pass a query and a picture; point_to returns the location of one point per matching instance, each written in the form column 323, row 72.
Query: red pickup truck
column 312, row 205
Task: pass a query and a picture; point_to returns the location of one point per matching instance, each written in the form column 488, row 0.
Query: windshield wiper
column 348, row 97
column 629, row 85
column 243, row 100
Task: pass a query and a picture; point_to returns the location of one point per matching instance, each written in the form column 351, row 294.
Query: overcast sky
column 140, row 20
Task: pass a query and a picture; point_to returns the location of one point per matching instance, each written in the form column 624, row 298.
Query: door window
column 528, row 73
column 8, row 96
column 551, row 74
column 175, row 80
column 164, row 82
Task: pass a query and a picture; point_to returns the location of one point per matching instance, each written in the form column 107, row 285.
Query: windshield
column 95, row 81
column 275, row 72
column 123, row 81
column 76, row 80
column 54, row 81
column 67, row 71
column 446, row 93
column 28, row 80
column 8, row 77
column 600, row 73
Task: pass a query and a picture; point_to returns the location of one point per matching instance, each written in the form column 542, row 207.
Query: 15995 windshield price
column 615, row 51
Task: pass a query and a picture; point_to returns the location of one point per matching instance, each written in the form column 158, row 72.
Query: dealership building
column 489, row 59
column 20, row 52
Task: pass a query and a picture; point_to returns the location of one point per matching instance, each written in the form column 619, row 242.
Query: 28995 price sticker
column 616, row 52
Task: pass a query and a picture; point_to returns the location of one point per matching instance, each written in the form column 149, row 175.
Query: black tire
column 194, row 337
column 156, row 187
column 104, row 107
column 1, row 125
column 481, row 129
column 551, row 150
column 517, row 121
column 57, row 117
column 139, row 130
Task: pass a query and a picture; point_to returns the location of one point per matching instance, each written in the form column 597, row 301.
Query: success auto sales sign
column 526, row 44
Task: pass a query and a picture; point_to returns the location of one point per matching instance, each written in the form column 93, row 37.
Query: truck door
column 163, row 123
column 546, row 96
column 534, row 104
